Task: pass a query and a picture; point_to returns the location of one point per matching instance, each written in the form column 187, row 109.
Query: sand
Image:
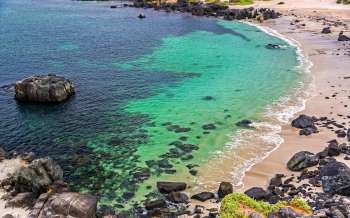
column 331, row 66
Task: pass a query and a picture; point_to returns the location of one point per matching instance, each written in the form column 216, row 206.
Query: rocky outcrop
column 44, row 89
column 256, row 193
column 213, row 10
column 302, row 160
column 68, row 204
column 306, row 124
column 335, row 177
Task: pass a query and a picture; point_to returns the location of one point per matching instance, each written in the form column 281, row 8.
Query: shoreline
column 260, row 173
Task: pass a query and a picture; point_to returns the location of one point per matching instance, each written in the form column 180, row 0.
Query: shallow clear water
column 144, row 87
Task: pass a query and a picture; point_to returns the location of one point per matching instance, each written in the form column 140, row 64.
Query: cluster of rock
column 212, row 9
column 44, row 89
column 174, row 202
column 320, row 170
column 38, row 186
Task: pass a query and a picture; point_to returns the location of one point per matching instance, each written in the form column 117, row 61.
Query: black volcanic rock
column 256, row 193
column 326, row 30
column 225, row 188
column 302, row 160
column 335, row 177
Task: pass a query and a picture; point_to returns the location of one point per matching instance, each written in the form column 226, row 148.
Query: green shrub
column 241, row 2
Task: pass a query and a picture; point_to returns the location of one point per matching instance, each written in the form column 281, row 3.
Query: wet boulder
column 225, row 188
column 168, row 187
column 302, row 160
column 44, row 89
column 335, row 178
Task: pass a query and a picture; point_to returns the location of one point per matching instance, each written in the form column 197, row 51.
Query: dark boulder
column 333, row 148
column 342, row 37
column 303, row 121
column 348, row 134
column 44, row 89
column 225, row 188
column 302, row 160
column 286, row 212
column 256, row 193
column 335, row 177
column 203, row 196
column 326, row 30
column 167, row 187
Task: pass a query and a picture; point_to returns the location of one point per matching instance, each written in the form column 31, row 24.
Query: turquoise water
column 153, row 96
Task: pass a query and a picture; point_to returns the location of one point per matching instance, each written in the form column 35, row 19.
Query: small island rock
column 44, row 89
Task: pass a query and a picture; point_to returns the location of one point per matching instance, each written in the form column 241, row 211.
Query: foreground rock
column 335, row 177
column 67, row 204
column 302, row 160
column 44, row 89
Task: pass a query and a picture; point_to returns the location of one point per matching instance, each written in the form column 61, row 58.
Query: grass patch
column 237, row 205
column 241, row 2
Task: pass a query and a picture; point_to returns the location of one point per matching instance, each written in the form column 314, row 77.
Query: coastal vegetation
column 240, row 206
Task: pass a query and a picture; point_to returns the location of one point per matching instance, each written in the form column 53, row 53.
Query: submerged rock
column 167, row 187
column 244, row 123
column 272, row 46
column 44, row 89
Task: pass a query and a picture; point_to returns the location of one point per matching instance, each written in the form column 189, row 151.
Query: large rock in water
column 302, row 160
column 225, row 188
column 335, row 177
column 44, row 88
column 67, row 204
